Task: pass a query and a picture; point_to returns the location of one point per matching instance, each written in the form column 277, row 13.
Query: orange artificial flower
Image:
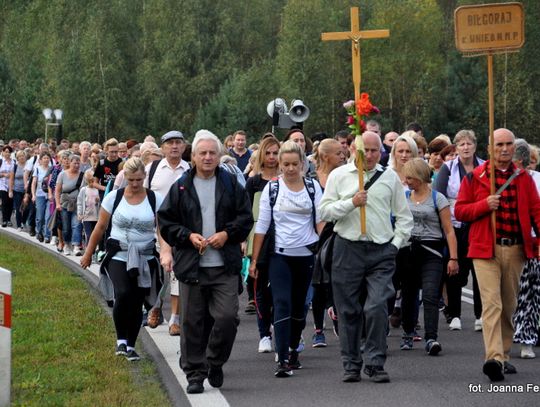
column 364, row 106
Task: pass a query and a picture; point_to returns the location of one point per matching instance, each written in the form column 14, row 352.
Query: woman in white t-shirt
column 130, row 264
column 297, row 227
column 39, row 197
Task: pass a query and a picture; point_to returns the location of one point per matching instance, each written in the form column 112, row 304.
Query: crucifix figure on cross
column 355, row 35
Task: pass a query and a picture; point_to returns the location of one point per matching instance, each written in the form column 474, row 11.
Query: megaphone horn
column 299, row 112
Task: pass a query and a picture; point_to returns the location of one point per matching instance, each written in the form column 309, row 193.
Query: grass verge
column 63, row 340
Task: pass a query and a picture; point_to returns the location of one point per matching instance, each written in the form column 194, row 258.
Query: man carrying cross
column 365, row 260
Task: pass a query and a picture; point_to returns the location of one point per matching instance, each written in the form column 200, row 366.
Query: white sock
column 130, row 348
column 175, row 319
column 121, row 341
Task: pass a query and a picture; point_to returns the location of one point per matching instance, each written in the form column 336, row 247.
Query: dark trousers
column 31, row 220
column 321, row 299
column 290, row 278
column 88, row 229
column 17, row 201
column 209, row 321
column 7, row 206
column 455, row 283
column 263, row 295
column 356, row 265
column 423, row 269
column 128, row 301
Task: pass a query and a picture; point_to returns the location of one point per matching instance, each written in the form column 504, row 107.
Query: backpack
column 152, row 172
column 120, row 193
column 273, row 192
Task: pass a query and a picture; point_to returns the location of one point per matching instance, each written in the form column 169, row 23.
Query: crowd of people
column 288, row 221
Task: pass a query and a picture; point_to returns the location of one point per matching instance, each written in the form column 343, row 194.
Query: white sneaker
column 527, row 352
column 265, row 345
column 54, row 241
column 68, row 250
column 455, row 325
column 478, row 325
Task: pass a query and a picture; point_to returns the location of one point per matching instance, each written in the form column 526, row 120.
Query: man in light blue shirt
column 365, row 260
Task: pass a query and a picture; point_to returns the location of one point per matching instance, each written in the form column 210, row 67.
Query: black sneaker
column 215, row 376
column 40, row 237
column 433, row 347
column 509, row 368
column 294, row 362
column 195, row 387
column 121, row 350
column 351, row 376
column 494, row 370
column 283, row 370
column 250, row 308
column 377, row 374
column 32, row 232
column 132, row 356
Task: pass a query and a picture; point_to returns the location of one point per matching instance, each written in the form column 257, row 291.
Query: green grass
column 63, row 341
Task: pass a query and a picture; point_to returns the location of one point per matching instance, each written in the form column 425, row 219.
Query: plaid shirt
column 507, row 214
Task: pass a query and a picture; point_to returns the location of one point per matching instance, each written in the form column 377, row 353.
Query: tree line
column 128, row 68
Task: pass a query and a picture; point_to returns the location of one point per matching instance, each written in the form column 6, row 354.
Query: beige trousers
column 498, row 280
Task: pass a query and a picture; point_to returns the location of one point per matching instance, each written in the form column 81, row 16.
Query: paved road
column 453, row 378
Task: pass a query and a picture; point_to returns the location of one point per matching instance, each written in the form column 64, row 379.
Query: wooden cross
column 355, row 35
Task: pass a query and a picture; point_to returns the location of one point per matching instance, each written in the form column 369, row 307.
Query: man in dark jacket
column 205, row 217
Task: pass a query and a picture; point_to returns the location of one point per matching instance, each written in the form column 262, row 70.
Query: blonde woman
column 131, row 264
column 265, row 168
column 290, row 203
column 403, row 150
column 329, row 155
column 421, row 262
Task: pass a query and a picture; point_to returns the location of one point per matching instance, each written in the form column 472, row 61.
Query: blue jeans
column 71, row 227
column 290, row 279
column 42, row 216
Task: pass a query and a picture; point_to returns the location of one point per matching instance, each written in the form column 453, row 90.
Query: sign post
column 490, row 29
column 5, row 337
column 355, row 35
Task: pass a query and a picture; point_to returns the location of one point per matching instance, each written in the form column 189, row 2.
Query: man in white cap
column 160, row 175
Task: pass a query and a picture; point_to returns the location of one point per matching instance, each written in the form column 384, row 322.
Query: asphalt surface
column 454, row 378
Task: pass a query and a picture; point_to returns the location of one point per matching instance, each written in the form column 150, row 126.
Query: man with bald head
column 365, row 260
column 387, row 144
column 498, row 260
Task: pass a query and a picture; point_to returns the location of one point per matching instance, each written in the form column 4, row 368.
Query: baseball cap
column 173, row 134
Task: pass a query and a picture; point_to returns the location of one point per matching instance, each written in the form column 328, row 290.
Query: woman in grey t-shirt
column 66, row 192
column 421, row 263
